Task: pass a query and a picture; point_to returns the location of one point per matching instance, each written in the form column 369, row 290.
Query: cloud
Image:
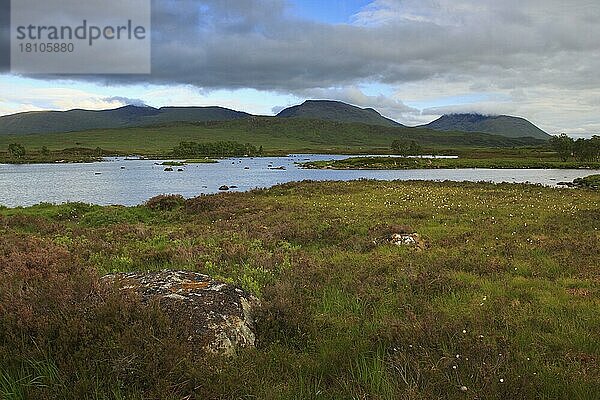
column 231, row 44
column 126, row 101
column 387, row 106
column 253, row 43
column 4, row 35
column 51, row 98
column 474, row 108
column 277, row 109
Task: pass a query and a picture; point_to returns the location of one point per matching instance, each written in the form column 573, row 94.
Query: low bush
column 64, row 334
column 166, row 202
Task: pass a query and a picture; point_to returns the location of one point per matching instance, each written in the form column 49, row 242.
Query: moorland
column 501, row 302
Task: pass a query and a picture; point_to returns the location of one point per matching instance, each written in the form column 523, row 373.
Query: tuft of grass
column 371, row 376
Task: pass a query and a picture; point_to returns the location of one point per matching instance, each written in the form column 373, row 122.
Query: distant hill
column 503, row 125
column 123, row 117
column 336, row 111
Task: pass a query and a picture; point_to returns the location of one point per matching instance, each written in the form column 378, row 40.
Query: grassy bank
column 72, row 155
column 497, row 161
column 503, row 300
column 592, row 181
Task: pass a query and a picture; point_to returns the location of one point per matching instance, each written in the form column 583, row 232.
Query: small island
column 399, row 163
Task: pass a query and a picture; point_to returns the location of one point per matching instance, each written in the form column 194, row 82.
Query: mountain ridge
column 504, row 125
column 76, row 120
column 331, row 110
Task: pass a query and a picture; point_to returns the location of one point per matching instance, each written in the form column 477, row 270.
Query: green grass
column 391, row 163
column 506, row 289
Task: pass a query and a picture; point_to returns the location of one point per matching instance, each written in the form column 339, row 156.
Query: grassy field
column 497, row 161
column 275, row 135
column 503, row 300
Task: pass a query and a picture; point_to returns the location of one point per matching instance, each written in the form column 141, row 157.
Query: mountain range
column 334, row 111
column 123, row 117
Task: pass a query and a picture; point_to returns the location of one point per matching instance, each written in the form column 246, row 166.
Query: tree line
column 216, row 149
column 580, row 149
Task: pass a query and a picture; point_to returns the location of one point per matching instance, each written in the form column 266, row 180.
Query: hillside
column 504, row 125
column 336, row 111
column 274, row 134
column 128, row 116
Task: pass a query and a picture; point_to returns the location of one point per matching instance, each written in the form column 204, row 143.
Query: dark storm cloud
column 253, row 43
column 258, row 44
column 4, row 35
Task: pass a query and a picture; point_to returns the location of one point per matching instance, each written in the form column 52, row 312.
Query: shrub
column 57, row 316
column 222, row 205
column 166, row 202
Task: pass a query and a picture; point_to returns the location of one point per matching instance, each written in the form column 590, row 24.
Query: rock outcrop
column 589, row 182
column 408, row 239
column 217, row 317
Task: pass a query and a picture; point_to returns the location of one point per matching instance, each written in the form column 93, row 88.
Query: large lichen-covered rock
column 217, row 317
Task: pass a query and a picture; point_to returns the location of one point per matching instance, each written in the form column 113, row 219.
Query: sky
column 412, row 60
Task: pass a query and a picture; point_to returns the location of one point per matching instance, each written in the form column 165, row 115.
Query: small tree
column 406, row 147
column 587, row 149
column 563, row 145
column 414, row 148
column 44, row 151
column 595, row 144
column 16, row 150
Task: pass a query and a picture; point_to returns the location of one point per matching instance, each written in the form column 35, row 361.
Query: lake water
column 107, row 183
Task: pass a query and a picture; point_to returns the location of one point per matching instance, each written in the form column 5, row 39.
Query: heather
column 501, row 302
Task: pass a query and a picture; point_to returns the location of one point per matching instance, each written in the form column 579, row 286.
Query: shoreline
column 399, row 163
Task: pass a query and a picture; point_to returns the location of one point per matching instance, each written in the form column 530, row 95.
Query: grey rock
column 217, row 318
column 412, row 240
